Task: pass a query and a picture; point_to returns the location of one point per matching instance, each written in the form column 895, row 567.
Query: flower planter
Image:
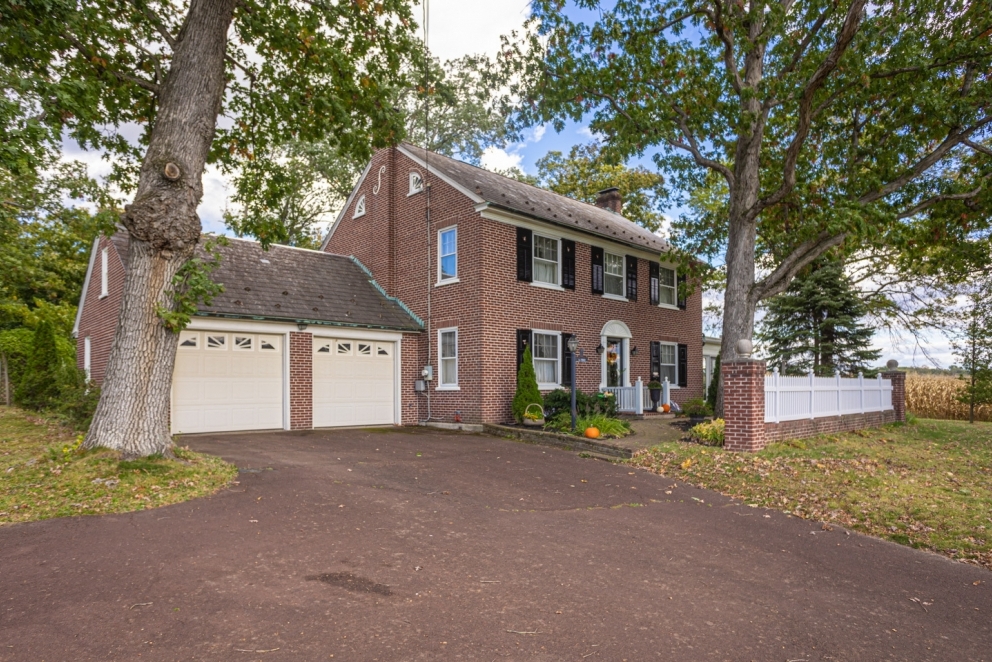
column 534, row 422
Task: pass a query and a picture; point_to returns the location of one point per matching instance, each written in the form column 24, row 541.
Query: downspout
column 427, row 191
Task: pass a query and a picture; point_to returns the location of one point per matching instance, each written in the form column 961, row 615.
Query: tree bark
column 133, row 414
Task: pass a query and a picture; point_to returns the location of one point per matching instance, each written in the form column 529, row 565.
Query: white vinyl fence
column 627, row 396
column 808, row 396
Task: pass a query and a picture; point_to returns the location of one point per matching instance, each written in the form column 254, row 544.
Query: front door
column 614, row 362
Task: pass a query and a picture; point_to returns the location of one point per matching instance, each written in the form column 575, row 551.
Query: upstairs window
column 614, row 275
column 359, row 208
column 448, row 254
column 104, row 274
column 545, row 260
column 666, row 286
column 416, row 183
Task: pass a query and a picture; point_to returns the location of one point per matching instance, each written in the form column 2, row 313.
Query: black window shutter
column 655, row 275
column 683, row 365
column 655, row 361
column 523, row 339
column 597, row 270
column 632, row 278
column 680, row 289
column 525, row 254
column 568, row 264
column 566, row 357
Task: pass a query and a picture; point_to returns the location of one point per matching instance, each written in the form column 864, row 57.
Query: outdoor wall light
column 599, row 349
column 302, row 326
column 573, row 344
column 633, row 351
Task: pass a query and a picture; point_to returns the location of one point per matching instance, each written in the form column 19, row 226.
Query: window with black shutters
column 683, row 365
column 681, row 291
column 653, row 275
column 632, row 278
column 525, row 255
column 523, row 340
column 568, row 264
column 597, row 270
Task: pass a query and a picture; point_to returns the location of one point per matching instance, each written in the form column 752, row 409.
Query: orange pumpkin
column 666, row 408
column 592, row 433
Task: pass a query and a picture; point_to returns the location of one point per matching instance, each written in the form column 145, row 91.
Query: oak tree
column 829, row 124
column 92, row 70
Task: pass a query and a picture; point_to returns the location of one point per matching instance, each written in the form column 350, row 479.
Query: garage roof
column 296, row 284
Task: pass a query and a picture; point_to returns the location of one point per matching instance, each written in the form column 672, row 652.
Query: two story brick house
column 491, row 264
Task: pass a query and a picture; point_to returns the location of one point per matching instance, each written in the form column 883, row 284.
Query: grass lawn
column 927, row 484
column 44, row 474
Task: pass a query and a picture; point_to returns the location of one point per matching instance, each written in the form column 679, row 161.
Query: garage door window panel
column 344, row 348
column 189, row 340
column 244, row 343
column 216, row 342
column 270, row 344
column 384, row 350
column 364, row 349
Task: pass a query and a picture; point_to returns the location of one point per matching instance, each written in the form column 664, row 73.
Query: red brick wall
column 743, row 404
column 744, row 410
column 489, row 304
column 100, row 314
column 300, row 381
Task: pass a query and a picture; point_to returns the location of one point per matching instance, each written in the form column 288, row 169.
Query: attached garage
column 227, row 382
column 353, row 382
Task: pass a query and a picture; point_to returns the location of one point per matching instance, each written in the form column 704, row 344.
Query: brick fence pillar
column 300, row 381
column 743, row 404
column 898, row 393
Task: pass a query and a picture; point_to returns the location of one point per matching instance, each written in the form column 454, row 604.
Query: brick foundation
column 810, row 427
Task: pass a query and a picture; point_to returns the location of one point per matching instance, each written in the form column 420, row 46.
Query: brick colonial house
column 491, row 264
column 432, row 266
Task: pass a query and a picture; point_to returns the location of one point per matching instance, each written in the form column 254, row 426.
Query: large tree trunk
column 133, row 414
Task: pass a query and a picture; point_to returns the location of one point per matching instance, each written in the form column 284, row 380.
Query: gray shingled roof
column 513, row 195
column 295, row 284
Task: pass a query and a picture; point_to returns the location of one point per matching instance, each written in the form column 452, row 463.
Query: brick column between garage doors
column 743, row 404
column 300, row 381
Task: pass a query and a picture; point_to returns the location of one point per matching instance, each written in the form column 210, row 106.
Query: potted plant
column 696, row 409
column 655, row 388
column 533, row 415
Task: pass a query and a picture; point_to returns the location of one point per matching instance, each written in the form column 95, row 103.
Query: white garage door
column 227, row 381
column 353, row 382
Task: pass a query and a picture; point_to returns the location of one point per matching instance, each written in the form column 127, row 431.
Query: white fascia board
column 471, row 195
column 564, row 232
column 207, row 323
column 347, row 204
column 86, row 285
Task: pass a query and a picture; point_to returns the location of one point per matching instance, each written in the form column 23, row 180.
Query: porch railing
column 635, row 399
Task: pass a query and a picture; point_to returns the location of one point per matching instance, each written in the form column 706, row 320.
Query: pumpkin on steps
column 592, row 433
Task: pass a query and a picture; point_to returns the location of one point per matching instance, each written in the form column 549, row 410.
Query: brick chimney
column 611, row 199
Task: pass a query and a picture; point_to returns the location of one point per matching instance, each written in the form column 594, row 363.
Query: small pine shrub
column 527, row 391
column 714, row 388
column 695, row 407
column 40, row 383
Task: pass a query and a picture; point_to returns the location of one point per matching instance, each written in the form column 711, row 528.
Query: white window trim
column 614, row 297
column 87, row 357
column 623, row 276
column 104, row 274
column 422, row 184
column 534, row 258
column 674, row 384
column 359, row 208
column 544, row 386
column 453, row 279
column 441, row 386
column 660, row 286
column 625, row 357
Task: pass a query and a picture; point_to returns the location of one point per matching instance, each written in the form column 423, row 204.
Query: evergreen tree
column 816, row 324
column 39, row 387
column 714, row 388
column 973, row 345
column 527, row 391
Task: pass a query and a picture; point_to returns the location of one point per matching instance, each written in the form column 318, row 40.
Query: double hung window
column 614, row 274
column 666, row 287
column 448, row 254
column 545, row 260
column 668, row 364
column 448, row 351
column 546, row 359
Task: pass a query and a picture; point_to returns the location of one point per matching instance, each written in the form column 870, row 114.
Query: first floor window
column 448, row 250
column 546, row 357
column 614, row 274
column 666, row 287
column 545, row 260
column 449, row 357
column 668, row 366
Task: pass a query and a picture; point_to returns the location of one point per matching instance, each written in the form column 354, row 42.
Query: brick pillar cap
column 744, row 362
column 893, row 373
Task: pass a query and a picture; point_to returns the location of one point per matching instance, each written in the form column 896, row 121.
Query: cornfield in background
column 935, row 396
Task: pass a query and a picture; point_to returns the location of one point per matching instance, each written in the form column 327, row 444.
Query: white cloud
column 537, row 133
column 459, row 28
column 494, row 158
column 588, row 133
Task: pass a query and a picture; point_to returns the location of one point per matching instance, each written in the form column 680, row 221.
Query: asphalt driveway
column 419, row 545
